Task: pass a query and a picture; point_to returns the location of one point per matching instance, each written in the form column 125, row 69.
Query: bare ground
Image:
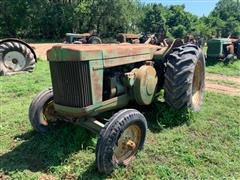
column 213, row 81
column 41, row 49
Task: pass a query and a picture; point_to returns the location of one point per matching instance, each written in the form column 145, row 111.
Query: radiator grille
column 71, row 83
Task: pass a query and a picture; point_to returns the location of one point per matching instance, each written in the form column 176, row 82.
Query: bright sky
column 197, row 7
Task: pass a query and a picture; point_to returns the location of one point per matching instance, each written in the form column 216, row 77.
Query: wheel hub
column 127, row 145
column 14, row 60
column 48, row 114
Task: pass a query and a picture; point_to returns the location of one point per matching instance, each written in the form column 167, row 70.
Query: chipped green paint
column 93, row 110
column 96, row 74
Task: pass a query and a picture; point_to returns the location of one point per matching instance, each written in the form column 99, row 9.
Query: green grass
column 179, row 145
column 218, row 67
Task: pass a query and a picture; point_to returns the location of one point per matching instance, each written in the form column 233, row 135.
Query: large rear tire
column 15, row 57
column 185, row 78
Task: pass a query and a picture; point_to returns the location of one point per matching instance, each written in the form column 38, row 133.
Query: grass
column 218, row 67
column 179, row 145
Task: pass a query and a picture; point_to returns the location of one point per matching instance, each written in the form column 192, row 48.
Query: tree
column 154, row 20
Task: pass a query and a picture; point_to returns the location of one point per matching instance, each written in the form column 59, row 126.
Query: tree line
column 51, row 19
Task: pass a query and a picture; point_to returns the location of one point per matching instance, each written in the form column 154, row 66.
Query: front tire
column 120, row 140
column 15, row 57
column 185, row 78
column 41, row 112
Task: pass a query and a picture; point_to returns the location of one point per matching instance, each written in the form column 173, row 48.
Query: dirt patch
column 41, row 49
column 223, row 77
column 232, row 89
column 222, row 89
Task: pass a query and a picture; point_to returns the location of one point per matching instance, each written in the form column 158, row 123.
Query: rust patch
column 130, row 36
column 73, row 52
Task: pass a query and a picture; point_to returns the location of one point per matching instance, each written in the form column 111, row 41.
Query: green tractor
column 90, row 81
column 223, row 48
column 16, row 56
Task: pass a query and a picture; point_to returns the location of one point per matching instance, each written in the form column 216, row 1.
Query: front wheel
column 41, row 112
column 185, row 78
column 120, row 140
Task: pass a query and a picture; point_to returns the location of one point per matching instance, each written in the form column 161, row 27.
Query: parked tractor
column 85, row 38
column 16, row 56
column 141, row 38
column 128, row 38
column 91, row 82
column 223, row 48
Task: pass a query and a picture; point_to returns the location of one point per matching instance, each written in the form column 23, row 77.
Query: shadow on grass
column 39, row 152
column 160, row 116
column 212, row 61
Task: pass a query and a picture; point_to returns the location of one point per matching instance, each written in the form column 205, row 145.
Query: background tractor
column 85, row 38
column 223, row 48
column 142, row 38
column 98, row 87
column 16, row 56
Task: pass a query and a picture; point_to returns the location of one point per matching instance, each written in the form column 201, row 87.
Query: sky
column 197, row 7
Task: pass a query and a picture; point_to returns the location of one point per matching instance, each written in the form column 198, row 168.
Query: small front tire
column 41, row 112
column 120, row 140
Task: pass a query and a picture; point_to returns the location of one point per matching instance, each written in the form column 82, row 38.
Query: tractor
column 94, row 85
column 223, row 48
column 16, row 56
column 128, row 38
column 85, row 38
column 142, row 38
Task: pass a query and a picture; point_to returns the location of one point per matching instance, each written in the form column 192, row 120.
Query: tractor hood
column 114, row 54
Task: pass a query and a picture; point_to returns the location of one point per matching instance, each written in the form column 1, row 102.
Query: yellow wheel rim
column 128, row 144
column 197, row 84
column 47, row 113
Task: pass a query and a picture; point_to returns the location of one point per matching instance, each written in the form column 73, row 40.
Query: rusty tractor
column 16, row 56
column 90, row 81
column 141, row 38
column 85, row 38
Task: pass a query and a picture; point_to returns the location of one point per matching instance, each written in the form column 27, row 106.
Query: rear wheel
column 185, row 77
column 120, row 140
column 94, row 40
column 15, row 57
column 41, row 112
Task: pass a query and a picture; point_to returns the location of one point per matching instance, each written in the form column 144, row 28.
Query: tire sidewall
column 36, row 110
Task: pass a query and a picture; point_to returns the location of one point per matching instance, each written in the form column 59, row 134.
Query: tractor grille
column 71, row 83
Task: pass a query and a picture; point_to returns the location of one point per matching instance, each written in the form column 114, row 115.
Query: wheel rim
column 14, row 60
column 197, row 85
column 47, row 114
column 127, row 145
